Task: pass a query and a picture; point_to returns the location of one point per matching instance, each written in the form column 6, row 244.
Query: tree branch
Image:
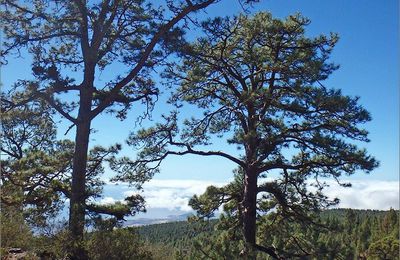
column 148, row 50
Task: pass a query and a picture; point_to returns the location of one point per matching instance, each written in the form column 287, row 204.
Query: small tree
column 257, row 81
column 33, row 162
column 36, row 167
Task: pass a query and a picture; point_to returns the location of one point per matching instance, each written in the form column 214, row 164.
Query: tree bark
column 78, row 194
column 249, row 208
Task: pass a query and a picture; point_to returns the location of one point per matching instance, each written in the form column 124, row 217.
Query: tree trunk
column 249, row 209
column 78, row 194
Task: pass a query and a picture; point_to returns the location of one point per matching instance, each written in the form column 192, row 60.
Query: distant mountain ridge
column 338, row 212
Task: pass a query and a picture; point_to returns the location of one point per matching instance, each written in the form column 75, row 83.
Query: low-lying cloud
column 381, row 195
column 175, row 194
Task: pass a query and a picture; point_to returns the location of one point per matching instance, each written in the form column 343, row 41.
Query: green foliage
column 386, row 248
column 122, row 243
column 36, row 167
column 373, row 236
column 176, row 234
column 258, row 82
column 230, row 196
column 14, row 231
column 105, row 242
column 70, row 42
column 336, row 238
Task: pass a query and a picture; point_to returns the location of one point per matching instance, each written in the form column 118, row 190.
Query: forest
column 342, row 234
column 252, row 81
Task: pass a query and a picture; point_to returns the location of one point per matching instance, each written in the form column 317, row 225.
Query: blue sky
column 368, row 55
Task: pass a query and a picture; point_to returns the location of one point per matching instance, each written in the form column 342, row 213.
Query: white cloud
column 107, row 201
column 367, row 194
column 175, row 194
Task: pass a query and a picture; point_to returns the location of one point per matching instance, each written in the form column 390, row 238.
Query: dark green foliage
column 13, row 229
column 176, row 234
column 386, row 248
column 374, row 236
column 106, row 242
column 346, row 234
column 70, row 42
column 36, row 167
column 352, row 214
column 230, row 196
column 258, row 83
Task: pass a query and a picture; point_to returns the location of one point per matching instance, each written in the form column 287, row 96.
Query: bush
column 107, row 242
column 14, row 231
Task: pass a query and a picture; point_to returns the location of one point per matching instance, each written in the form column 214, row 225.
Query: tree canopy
column 70, row 43
column 36, row 167
column 259, row 82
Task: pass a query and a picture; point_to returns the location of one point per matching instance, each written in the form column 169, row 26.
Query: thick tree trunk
column 78, row 185
column 249, row 208
column 78, row 196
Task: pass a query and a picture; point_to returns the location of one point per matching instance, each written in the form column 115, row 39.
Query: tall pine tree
column 258, row 81
column 87, row 37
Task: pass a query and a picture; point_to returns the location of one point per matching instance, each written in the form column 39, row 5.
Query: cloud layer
column 174, row 195
column 380, row 195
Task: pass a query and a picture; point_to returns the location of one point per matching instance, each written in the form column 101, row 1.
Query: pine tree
column 36, row 167
column 70, row 42
column 258, row 81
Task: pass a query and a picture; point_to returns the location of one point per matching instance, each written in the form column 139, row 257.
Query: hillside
column 365, row 234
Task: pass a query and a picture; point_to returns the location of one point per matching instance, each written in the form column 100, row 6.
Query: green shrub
column 14, row 231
